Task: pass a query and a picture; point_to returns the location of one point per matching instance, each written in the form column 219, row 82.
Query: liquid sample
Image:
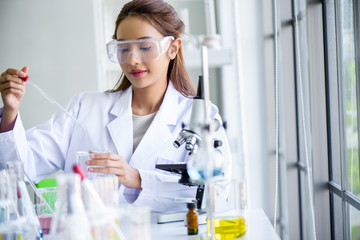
column 199, row 174
column 45, row 223
column 228, row 227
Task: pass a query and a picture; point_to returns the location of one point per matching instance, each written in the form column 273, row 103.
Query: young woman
column 136, row 122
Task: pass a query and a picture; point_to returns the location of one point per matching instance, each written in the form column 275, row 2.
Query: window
column 329, row 39
column 342, row 39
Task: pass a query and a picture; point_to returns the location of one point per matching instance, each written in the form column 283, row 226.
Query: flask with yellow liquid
column 229, row 209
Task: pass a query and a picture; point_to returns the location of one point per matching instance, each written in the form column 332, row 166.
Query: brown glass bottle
column 192, row 219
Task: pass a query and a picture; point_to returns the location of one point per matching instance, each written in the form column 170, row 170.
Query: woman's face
column 142, row 74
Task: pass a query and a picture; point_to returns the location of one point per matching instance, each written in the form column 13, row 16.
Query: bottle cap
column 190, row 205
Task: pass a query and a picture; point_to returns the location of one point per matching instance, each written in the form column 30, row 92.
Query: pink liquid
column 45, row 223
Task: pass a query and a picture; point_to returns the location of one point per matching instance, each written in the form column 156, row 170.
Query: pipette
column 51, row 100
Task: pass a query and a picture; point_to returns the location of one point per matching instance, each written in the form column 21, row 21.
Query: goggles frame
column 112, row 48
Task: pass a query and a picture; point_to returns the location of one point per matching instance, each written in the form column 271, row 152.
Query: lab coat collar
column 158, row 133
column 169, row 108
column 123, row 105
column 121, row 128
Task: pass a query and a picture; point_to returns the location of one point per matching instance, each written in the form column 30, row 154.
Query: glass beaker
column 135, row 222
column 70, row 220
column 229, row 208
column 48, row 189
column 101, row 207
column 82, row 157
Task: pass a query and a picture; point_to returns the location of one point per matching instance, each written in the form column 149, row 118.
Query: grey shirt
column 140, row 125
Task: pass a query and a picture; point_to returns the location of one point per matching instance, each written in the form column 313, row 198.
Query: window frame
column 347, row 198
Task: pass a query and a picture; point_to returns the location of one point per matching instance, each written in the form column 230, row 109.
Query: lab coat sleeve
column 160, row 191
column 43, row 148
column 9, row 147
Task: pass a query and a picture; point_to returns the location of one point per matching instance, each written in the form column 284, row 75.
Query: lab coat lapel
column 120, row 129
column 158, row 133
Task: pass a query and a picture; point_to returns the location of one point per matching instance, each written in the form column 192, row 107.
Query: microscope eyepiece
column 179, row 141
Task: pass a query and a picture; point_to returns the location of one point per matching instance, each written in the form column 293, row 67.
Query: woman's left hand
column 115, row 164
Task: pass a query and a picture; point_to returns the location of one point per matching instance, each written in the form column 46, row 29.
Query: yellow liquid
column 228, row 227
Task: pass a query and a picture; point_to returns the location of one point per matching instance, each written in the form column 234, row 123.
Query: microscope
column 196, row 136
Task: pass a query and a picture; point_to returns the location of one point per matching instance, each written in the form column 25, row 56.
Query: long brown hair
column 165, row 19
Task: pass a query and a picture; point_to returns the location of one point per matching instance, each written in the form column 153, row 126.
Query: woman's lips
column 137, row 72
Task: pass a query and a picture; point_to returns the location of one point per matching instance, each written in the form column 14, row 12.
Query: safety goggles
column 144, row 50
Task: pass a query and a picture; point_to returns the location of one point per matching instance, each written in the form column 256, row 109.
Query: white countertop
column 258, row 227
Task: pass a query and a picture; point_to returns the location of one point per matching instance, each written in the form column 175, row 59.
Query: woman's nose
column 133, row 58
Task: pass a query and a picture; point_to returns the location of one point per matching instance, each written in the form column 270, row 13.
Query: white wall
column 249, row 30
column 56, row 40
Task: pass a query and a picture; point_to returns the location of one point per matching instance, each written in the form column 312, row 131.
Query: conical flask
column 207, row 162
column 25, row 205
column 70, row 221
column 12, row 224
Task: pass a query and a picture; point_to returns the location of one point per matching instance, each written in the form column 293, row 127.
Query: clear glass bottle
column 192, row 219
column 25, row 205
column 12, row 224
column 70, row 220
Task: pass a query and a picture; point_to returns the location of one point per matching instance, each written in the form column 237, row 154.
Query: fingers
column 108, row 170
column 12, row 75
column 25, row 69
column 130, row 177
column 104, row 162
column 11, row 82
column 20, row 73
column 108, row 163
column 16, row 92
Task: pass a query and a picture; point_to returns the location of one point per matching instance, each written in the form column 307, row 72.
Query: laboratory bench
column 258, row 227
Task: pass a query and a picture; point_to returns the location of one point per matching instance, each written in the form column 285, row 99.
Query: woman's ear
column 174, row 48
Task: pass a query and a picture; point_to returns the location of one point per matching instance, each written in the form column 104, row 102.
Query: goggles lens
column 144, row 50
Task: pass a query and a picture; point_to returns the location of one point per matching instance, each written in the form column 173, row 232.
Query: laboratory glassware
column 192, row 220
column 82, row 157
column 70, row 220
column 51, row 100
column 46, row 206
column 107, row 188
column 100, row 216
column 206, row 158
column 25, row 205
column 12, row 224
column 229, row 208
column 135, row 222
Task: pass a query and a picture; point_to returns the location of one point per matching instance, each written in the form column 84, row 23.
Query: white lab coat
column 108, row 120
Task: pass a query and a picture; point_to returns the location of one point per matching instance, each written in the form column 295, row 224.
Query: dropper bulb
column 79, row 170
column 25, row 78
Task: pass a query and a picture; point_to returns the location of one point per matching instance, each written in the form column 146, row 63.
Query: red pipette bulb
column 79, row 170
column 25, row 78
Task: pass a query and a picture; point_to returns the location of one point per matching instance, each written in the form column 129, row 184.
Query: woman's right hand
column 12, row 89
